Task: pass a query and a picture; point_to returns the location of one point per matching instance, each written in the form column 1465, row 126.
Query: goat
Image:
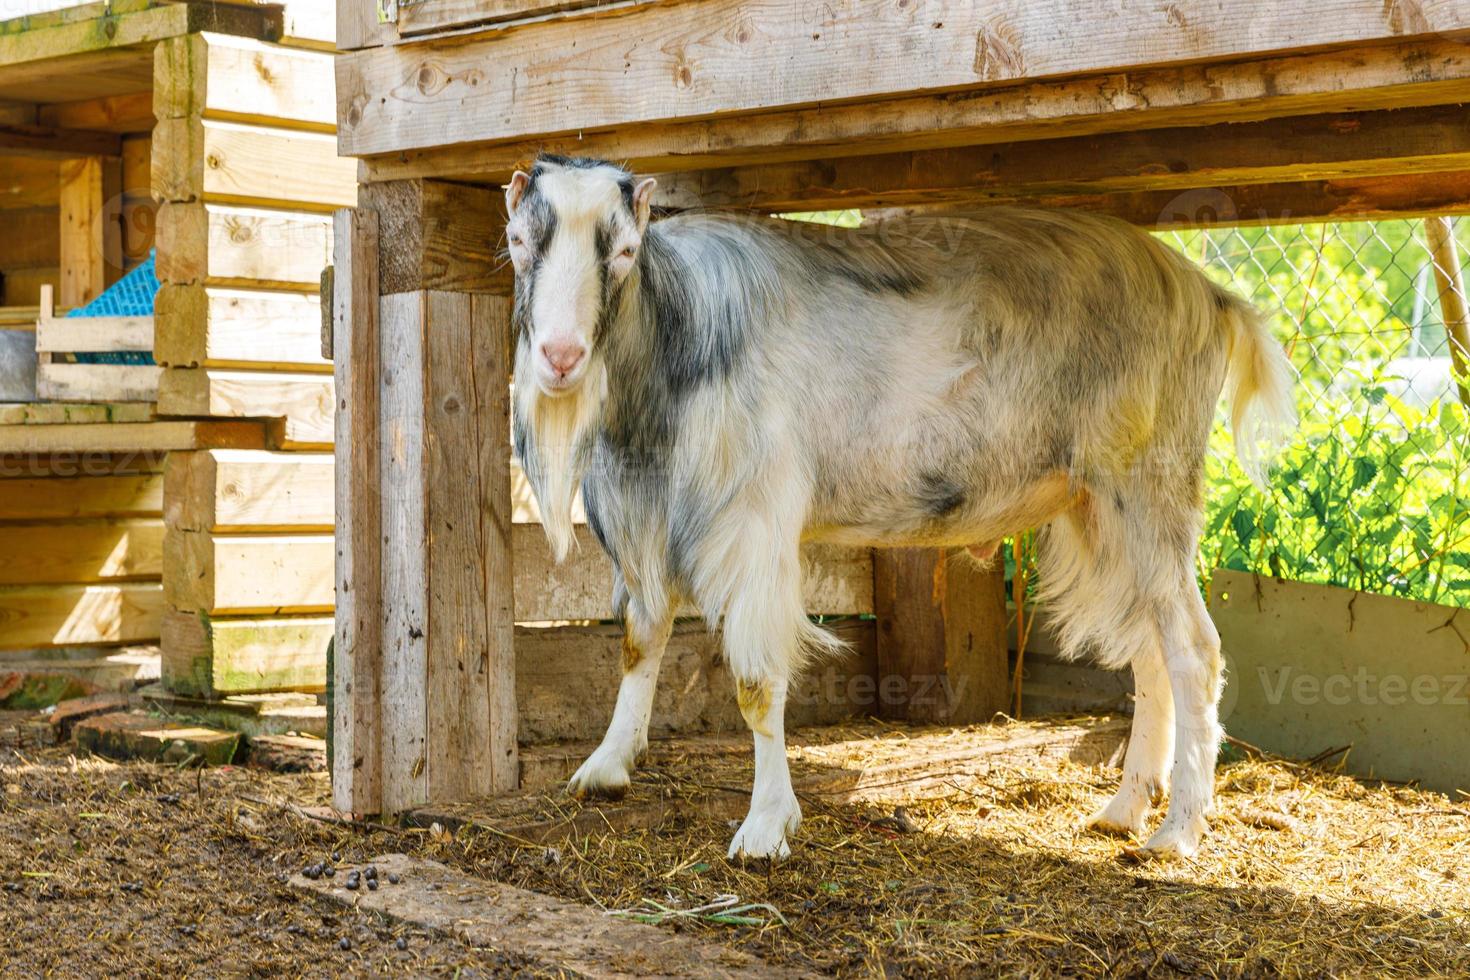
column 724, row 388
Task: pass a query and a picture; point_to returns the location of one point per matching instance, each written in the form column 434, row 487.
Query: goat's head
column 574, row 231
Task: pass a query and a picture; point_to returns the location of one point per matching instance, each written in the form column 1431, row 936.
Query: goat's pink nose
column 563, row 355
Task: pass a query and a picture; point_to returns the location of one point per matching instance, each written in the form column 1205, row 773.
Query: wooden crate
column 60, row 378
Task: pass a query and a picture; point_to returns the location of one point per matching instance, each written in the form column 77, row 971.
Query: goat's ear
column 643, row 203
column 519, row 181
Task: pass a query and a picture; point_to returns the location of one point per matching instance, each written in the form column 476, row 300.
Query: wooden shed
column 1167, row 114
column 184, row 502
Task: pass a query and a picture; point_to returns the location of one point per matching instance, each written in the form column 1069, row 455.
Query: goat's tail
column 1258, row 384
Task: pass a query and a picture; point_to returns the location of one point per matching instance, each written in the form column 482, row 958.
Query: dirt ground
column 139, row 869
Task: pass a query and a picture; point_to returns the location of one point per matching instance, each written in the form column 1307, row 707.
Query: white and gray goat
column 722, row 389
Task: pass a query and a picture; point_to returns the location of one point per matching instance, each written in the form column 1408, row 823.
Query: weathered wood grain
column 207, row 326
column 229, row 490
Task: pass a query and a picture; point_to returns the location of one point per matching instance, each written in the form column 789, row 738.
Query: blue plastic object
column 132, row 295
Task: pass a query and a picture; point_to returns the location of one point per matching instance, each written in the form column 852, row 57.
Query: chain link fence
column 1371, row 492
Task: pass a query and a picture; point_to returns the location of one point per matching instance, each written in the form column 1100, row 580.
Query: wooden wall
column 245, row 172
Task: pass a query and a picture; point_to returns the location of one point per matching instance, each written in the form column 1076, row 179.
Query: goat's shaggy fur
column 751, row 384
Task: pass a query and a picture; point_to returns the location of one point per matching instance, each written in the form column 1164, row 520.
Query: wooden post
column 428, row 457
column 941, row 636
column 1445, row 255
column 91, row 244
column 357, row 645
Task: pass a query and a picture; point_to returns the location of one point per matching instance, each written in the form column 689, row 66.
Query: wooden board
column 216, row 657
column 228, row 163
column 47, row 413
column 32, row 235
column 97, row 550
column 113, row 437
column 561, row 937
column 59, row 498
column 242, row 80
column 91, row 246
column 250, row 248
column 703, row 58
column 304, row 401
column 64, row 615
column 92, row 333
column 130, row 113
column 230, row 490
column 29, row 184
column 97, row 382
column 200, row 326
column 1325, row 147
column 357, row 646
column 445, row 236
column 237, row 575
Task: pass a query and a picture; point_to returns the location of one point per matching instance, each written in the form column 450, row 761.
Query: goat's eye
column 515, row 240
column 630, row 251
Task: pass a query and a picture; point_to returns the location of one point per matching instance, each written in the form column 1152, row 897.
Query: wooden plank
column 402, row 484
column 357, row 649
column 231, row 490
column 16, row 467
column 1449, row 279
column 228, row 163
column 446, row 236
column 113, row 437
column 567, row 679
column 53, row 143
column 61, row 498
column 97, row 382
column 942, row 646
column 42, row 413
column 568, row 938
column 99, row 30
column 304, row 401
column 131, row 112
column 32, row 237
column 199, row 326
column 23, row 286
column 96, row 550
column 139, row 736
column 264, row 574
column 242, row 80
column 94, row 333
column 91, row 246
column 425, row 16
column 29, row 184
column 219, row 657
column 713, row 57
column 246, row 248
column 1297, row 148
column 359, row 26
column 472, row 729
column 63, row 615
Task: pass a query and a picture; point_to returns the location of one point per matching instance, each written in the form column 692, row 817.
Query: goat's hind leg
column 607, row 771
column 774, row 811
column 1150, row 749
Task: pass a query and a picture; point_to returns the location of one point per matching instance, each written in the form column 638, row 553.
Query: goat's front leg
column 607, row 771
column 774, row 811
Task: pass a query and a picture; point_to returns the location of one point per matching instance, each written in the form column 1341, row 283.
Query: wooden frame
column 59, row 380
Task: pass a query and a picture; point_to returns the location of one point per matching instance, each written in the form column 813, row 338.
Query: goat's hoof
column 763, row 834
column 1118, row 819
column 599, row 778
column 1173, row 841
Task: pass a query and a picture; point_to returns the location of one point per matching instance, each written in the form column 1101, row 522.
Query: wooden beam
column 357, row 646
column 94, row 28
column 62, row 498
column 445, row 236
column 241, row 80
column 256, row 574
column 235, row 491
column 304, row 401
column 131, row 112
column 91, row 245
column 50, row 143
column 206, row 326
column 125, row 437
column 63, row 382
column 704, row 58
column 1330, row 147
column 942, row 650
column 1426, row 71
column 89, row 550
column 72, row 615
column 32, row 238
column 246, row 248
column 226, row 163
column 214, row 658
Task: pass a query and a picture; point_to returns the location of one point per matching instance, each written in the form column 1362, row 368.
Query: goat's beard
column 556, row 446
